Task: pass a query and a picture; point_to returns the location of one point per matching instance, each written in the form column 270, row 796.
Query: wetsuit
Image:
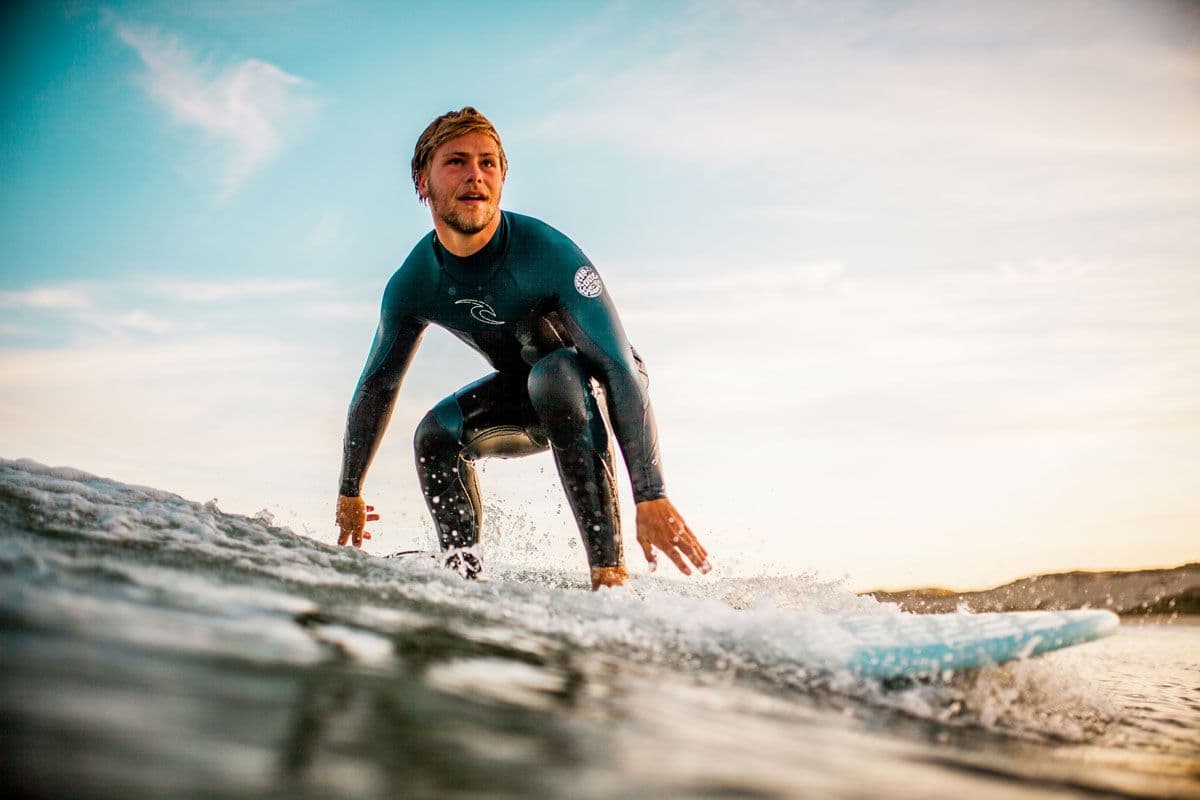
column 532, row 304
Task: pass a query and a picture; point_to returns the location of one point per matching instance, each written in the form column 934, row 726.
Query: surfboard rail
column 914, row 645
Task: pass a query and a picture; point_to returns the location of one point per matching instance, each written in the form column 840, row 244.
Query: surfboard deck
column 916, row 645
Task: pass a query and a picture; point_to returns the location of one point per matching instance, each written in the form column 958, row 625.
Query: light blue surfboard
column 914, row 645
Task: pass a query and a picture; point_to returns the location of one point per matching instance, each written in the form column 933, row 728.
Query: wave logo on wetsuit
column 587, row 282
column 481, row 311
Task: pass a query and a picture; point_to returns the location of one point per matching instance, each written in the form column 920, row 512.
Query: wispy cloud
column 217, row 291
column 140, row 309
column 326, row 231
column 1014, row 79
column 1051, row 345
column 1011, row 112
column 246, row 106
column 54, row 298
column 82, row 307
column 9, row 329
column 136, row 321
column 344, row 310
column 751, row 280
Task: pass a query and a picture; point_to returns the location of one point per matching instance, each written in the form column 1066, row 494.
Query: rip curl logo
column 588, row 283
column 481, row 311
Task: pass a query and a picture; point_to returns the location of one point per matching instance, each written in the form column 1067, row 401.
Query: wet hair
column 449, row 126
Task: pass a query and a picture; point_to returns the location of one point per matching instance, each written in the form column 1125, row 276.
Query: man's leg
column 491, row 417
column 561, row 392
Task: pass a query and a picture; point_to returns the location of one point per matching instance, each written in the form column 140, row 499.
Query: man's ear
column 423, row 186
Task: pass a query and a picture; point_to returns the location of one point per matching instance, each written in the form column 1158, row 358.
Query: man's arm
column 591, row 319
column 396, row 342
column 374, row 398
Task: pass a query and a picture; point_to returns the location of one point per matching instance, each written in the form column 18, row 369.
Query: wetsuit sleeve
column 592, row 321
column 396, row 341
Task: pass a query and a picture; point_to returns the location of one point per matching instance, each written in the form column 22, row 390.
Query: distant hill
column 1147, row 591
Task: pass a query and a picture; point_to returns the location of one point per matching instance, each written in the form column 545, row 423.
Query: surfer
column 528, row 300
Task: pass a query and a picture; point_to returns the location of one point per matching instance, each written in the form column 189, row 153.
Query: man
column 527, row 299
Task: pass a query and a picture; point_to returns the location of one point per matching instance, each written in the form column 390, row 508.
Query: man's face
column 464, row 181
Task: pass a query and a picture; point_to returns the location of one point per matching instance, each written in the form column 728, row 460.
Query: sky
column 917, row 282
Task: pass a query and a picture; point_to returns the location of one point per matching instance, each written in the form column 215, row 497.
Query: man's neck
column 465, row 244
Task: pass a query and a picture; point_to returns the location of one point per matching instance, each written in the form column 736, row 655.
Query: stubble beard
column 461, row 220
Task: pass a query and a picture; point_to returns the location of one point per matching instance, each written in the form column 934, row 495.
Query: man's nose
column 474, row 171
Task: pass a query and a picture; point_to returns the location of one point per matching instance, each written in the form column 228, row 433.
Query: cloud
column 137, row 320
column 55, row 298
column 815, row 275
column 1014, row 79
column 72, row 304
column 1049, row 345
column 326, row 231
column 141, row 309
column 972, row 111
column 217, row 291
column 343, row 310
column 246, row 106
column 9, row 329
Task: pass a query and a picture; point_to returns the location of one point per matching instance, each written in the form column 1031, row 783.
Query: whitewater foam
column 185, row 577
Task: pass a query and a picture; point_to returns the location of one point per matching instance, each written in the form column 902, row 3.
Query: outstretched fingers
column 692, row 548
column 677, row 557
column 369, row 518
column 352, row 516
column 661, row 526
column 648, row 552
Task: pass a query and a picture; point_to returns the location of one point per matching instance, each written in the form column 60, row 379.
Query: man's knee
column 437, row 434
column 561, row 395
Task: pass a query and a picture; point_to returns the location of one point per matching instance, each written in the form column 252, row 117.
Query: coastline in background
column 1140, row 592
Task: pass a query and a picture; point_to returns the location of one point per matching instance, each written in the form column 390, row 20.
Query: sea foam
column 153, row 570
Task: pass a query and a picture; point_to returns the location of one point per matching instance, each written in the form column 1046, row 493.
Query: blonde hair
column 449, row 126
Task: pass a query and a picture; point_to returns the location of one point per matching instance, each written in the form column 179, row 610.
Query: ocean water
column 155, row 647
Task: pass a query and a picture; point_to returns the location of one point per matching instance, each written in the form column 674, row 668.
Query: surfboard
column 900, row 646
column 889, row 646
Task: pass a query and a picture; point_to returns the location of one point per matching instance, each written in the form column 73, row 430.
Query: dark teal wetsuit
column 531, row 303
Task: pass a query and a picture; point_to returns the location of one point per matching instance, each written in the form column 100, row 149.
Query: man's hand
column 351, row 517
column 660, row 525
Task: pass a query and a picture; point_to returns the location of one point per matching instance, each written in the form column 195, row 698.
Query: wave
column 143, row 568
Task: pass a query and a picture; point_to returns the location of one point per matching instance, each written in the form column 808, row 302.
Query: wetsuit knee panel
column 561, row 395
column 440, row 429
